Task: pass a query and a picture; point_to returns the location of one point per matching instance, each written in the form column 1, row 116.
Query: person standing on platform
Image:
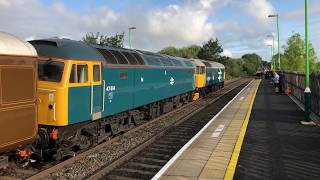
column 276, row 79
column 281, row 81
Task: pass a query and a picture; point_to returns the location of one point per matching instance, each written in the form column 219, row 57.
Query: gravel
column 115, row 150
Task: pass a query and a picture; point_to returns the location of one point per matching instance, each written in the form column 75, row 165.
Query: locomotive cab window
column 73, row 75
column 79, row 73
column 200, row 70
column 96, row 73
column 50, row 70
column 82, row 73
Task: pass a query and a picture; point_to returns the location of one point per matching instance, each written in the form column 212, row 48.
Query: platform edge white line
column 179, row 153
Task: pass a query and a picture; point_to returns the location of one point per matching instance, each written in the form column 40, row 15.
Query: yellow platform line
column 235, row 155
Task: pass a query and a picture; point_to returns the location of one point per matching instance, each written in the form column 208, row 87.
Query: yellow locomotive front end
column 199, row 78
column 52, row 93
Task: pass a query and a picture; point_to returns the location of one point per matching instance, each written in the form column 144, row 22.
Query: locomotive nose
column 47, row 105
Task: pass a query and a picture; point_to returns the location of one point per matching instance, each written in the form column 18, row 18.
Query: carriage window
column 202, row 71
column 50, row 71
column 138, row 58
column 130, row 58
column 176, row 62
column 109, row 57
column 197, row 69
column 188, row 63
column 82, row 73
column 120, row 58
column 96, row 73
column 73, row 76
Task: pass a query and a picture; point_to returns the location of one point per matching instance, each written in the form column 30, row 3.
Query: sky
column 241, row 26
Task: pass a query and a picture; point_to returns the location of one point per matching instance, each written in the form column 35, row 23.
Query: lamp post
column 130, row 28
column 307, row 91
column 271, row 48
column 272, row 52
column 277, row 16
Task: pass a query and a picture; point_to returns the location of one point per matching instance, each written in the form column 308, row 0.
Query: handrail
column 104, row 94
column 54, row 111
column 296, row 80
column 91, row 100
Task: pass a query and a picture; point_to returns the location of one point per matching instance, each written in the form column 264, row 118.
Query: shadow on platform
column 276, row 145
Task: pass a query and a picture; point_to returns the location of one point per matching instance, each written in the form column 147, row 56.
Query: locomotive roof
column 114, row 55
column 213, row 64
column 156, row 59
column 197, row 62
column 70, row 49
column 208, row 64
column 11, row 45
column 66, row 49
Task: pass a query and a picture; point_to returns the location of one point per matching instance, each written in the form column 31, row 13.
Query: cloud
column 5, row 4
column 227, row 52
column 268, row 43
column 190, row 22
column 299, row 14
column 176, row 25
column 181, row 25
column 26, row 18
column 258, row 9
column 30, row 38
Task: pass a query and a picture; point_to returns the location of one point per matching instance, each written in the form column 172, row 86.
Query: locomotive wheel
column 84, row 142
column 62, row 154
column 42, row 141
column 115, row 128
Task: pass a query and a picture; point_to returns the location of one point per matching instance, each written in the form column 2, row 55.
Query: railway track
column 147, row 159
column 97, row 161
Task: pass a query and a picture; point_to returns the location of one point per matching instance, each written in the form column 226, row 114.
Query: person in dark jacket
column 281, row 81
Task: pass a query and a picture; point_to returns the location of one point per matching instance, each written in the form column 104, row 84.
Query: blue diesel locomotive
column 87, row 93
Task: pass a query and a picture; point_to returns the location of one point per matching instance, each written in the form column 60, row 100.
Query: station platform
column 257, row 135
column 207, row 155
column 276, row 145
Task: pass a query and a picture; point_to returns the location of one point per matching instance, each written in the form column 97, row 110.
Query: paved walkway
column 276, row 146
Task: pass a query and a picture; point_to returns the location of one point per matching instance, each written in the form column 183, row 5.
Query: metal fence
column 296, row 81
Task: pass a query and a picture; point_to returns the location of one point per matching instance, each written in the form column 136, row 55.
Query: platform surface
column 276, row 146
column 209, row 155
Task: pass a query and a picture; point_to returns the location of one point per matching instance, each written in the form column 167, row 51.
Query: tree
column 251, row 63
column 190, row 51
column 294, row 55
column 233, row 68
column 266, row 64
column 185, row 52
column 275, row 60
column 171, row 51
column 103, row 40
column 211, row 51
